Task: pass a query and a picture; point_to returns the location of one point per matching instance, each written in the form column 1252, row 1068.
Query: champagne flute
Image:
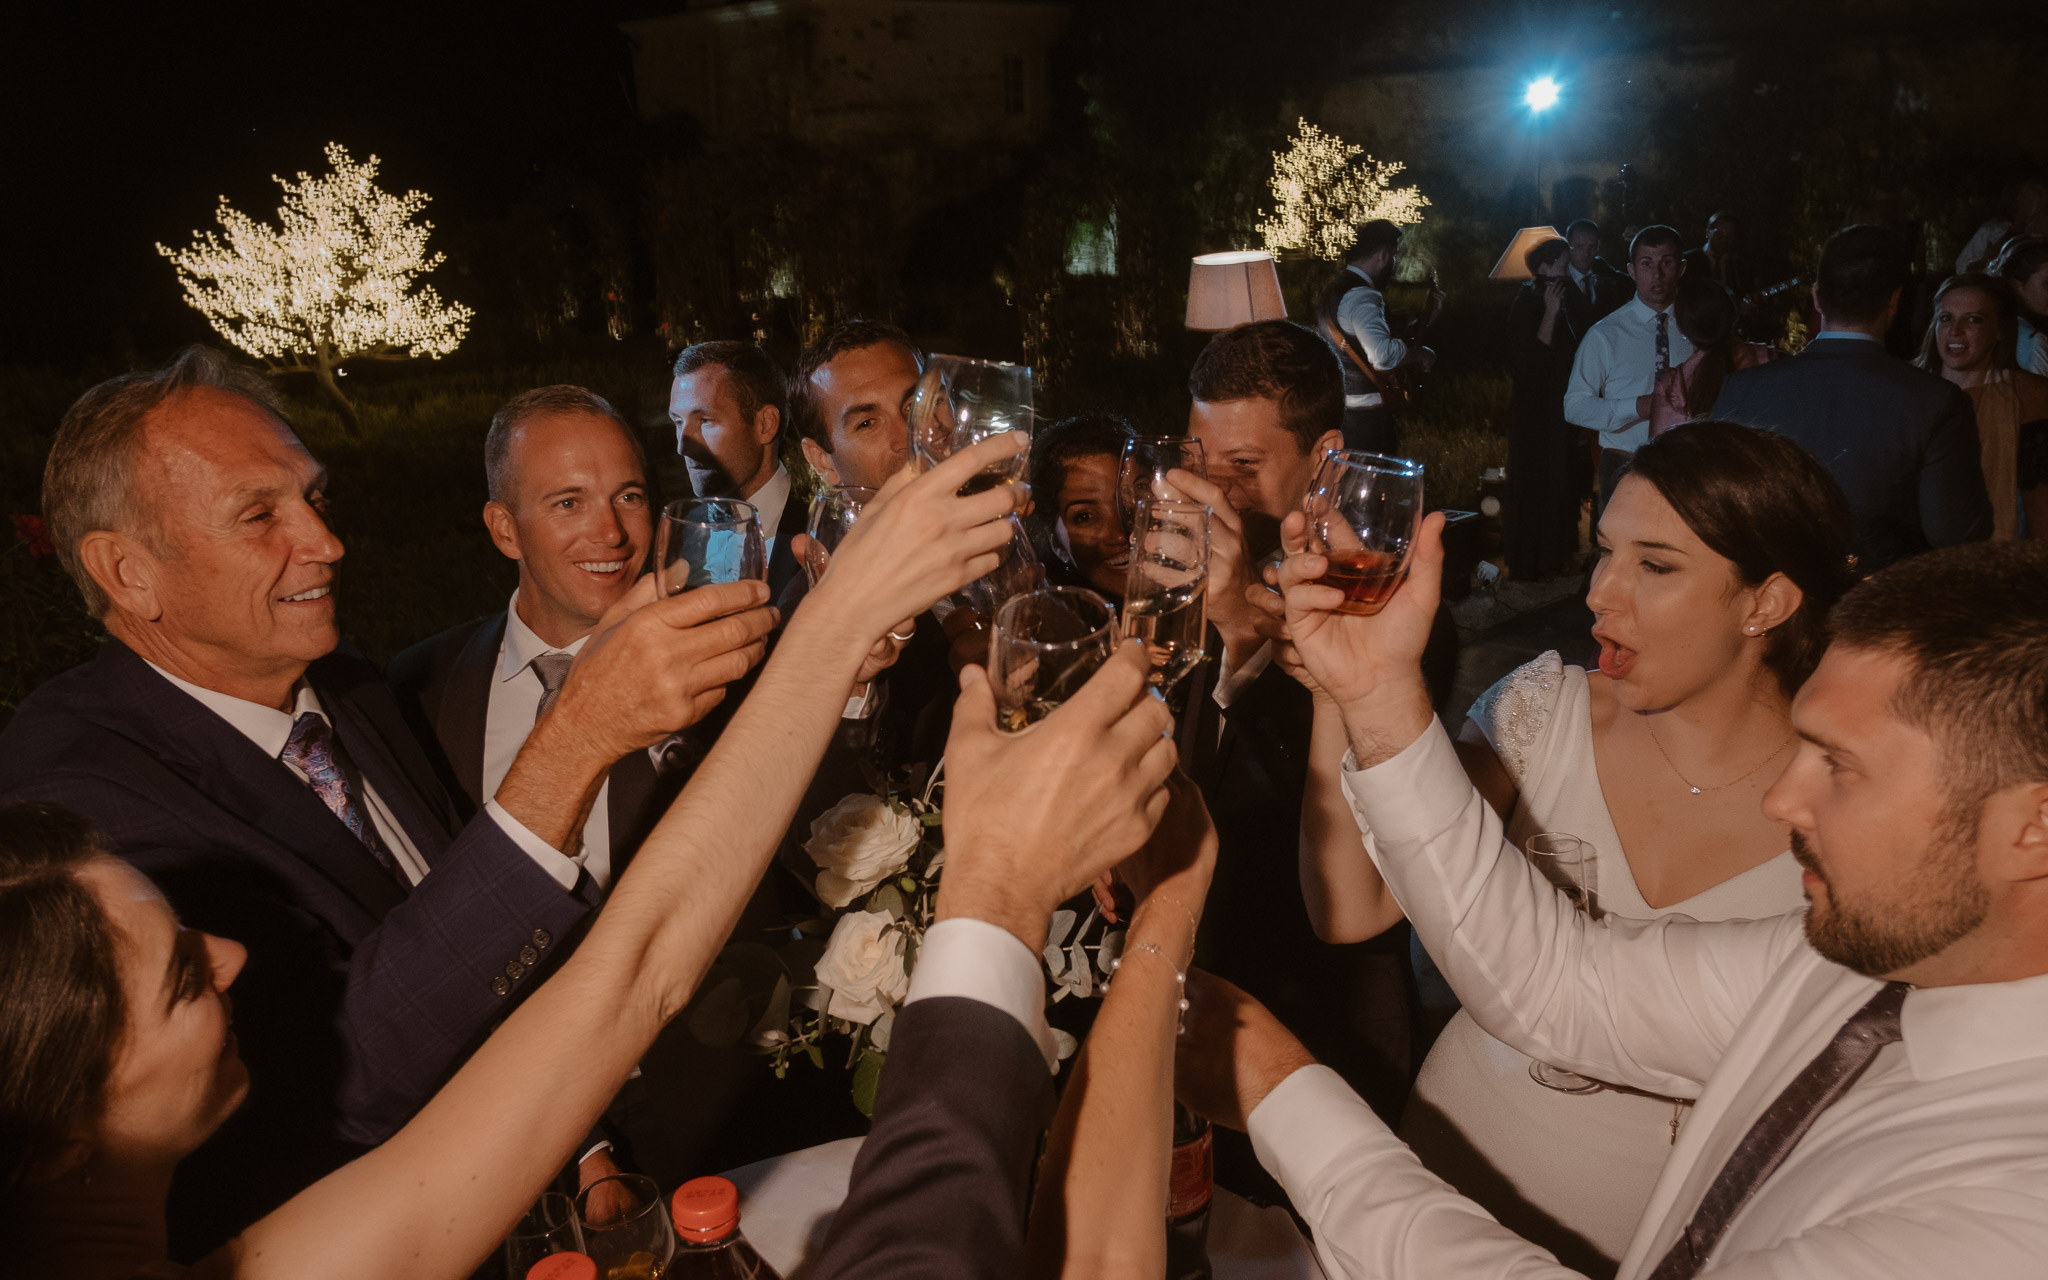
column 960, row 402
column 1166, row 592
column 1141, row 472
column 549, row 1227
column 1570, row 864
column 639, row 1243
column 1363, row 511
column 833, row 510
column 707, row 540
column 1042, row 649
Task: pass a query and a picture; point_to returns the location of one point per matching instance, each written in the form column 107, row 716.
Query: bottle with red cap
column 710, row 1246
column 563, row 1266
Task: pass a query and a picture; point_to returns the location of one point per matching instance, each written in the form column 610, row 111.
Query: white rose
column 857, row 844
column 862, row 968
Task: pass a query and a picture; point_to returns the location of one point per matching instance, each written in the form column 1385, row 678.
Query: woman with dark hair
column 1075, row 524
column 2023, row 265
column 1540, row 529
column 1707, row 316
column 1971, row 343
column 1721, row 553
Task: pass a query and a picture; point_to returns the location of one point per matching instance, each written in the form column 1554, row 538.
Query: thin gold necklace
column 1699, row 790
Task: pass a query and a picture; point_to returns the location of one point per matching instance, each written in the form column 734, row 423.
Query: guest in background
column 2023, row 265
column 1075, row 521
column 1545, row 457
column 1970, row 343
column 2024, row 213
column 1720, row 556
column 1706, row 315
column 1901, row 442
column 227, row 745
column 1351, row 315
column 726, row 403
column 1597, row 288
column 1720, row 259
column 1621, row 358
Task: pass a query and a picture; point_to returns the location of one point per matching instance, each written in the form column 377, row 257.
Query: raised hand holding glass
column 1141, row 472
column 1363, row 511
column 1166, row 592
column 959, row 402
column 707, row 540
column 833, row 510
column 1042, row 649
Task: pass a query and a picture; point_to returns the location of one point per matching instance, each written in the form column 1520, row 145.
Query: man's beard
column 1942, row 901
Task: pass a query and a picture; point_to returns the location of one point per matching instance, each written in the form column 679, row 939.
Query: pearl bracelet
column 1179, row 976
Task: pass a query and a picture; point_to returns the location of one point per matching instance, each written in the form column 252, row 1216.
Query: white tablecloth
column 787, row 1203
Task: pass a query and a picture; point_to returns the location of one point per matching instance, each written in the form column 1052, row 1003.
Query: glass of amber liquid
column 1363, row 510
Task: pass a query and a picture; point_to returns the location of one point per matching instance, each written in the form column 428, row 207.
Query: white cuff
column 1413, row 795
column 1230, row 683
column 962, row 956
column 602, row 1144
column 1310, row 1119
column 861, row 705
column 550, row 859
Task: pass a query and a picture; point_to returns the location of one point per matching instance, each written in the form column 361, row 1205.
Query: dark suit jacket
column 783, row 566
column 1611, row 290
column 939, row 1186
column 360, row 995
column 1900, row 441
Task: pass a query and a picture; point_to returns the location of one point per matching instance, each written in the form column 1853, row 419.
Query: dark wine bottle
column 1190, row 1186
column 709, row 1245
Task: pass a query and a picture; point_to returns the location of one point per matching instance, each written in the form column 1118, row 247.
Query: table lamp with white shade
column 1514, row 264
column 1229, row 289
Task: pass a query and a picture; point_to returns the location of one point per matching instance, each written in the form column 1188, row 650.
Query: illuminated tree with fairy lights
column 336, row 280
column 1324, row 189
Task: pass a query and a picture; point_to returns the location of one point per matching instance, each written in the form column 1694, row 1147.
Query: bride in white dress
column 1720, row 554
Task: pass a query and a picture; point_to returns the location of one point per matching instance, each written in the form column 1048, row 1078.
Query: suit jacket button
column 541, row 939
column 514, row 970
column 527, row 955
column 500, row 987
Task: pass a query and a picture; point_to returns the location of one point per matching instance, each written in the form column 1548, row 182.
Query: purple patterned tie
column 311, row 748
column 1782, row 1125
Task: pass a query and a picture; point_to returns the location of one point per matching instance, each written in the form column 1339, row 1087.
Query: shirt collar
column 1578, row 276
column 1951, row 1030
column 267, row 727
column 1643, row 311
column 1360, row 273
column 769, row 501
column 522, row 646
column 1850, row 334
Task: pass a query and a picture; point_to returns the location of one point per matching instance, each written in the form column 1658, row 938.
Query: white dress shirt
column 769, row 502
column 977, row 960
column 1362, row 313
column 1585, row 282
column 508, row 719
column 270, row 729
column 1934, row 1163
column 1616, row 363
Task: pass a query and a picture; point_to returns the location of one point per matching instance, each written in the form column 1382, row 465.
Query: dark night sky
column 125, row 123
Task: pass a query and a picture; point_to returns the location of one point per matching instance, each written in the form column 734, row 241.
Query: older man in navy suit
column 1900, row 441
column 225, row 744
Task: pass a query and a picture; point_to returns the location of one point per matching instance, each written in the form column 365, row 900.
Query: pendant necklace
column 1699, row 790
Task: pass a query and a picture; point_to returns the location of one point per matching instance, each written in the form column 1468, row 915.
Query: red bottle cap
column 563, row 1266
column 706, row 1209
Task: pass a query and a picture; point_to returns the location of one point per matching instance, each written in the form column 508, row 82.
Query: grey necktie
column 1782, row 1125
column 552, row 669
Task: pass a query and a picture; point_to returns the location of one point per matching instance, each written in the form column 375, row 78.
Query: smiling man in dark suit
column 264, row 777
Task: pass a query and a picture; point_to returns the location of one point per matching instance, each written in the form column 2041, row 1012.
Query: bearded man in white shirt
column 1871, row 1074
column 1619, row 360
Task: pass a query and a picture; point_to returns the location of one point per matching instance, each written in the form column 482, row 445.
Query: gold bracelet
column 1193, row 927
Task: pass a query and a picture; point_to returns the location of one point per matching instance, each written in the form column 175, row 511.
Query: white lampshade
column 1513, row 264
column 1229, row 289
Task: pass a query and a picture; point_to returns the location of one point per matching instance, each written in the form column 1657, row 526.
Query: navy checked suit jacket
column 360, row 995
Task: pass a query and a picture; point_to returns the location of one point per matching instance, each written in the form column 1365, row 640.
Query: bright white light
column 1542, row 94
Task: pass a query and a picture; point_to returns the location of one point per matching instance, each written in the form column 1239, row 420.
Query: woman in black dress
column 1541, row 522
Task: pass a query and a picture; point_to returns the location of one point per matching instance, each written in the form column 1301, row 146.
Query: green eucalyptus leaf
column 867, row 1078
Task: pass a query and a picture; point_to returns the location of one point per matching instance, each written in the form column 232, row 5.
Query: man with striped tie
column 225, row 743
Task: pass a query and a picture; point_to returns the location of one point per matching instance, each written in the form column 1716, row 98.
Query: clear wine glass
column 707, row 540
column 1042, row 649
column 961, row 402
column 1363, row 510
column 639, row 1243
column 549, row 1227
column 1166, row 590
column 1572, row 865
column 1141, row 472
column 834, row 508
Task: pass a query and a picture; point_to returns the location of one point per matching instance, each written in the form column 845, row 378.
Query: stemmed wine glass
column 1363, row 511
column 549, row 1227
column 1166, row 590
column 1043, row 647
column 637, row 1245
column 1141, row 472
column 960, row 402
column 707, row 540
column 833, row 510
column 1570, row 864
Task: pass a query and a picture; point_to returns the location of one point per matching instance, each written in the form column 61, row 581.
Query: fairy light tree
column 337, row 279
column 1324, row 189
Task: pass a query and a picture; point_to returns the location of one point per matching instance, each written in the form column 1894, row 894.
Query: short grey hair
column 88, row 479
column 539, row 402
